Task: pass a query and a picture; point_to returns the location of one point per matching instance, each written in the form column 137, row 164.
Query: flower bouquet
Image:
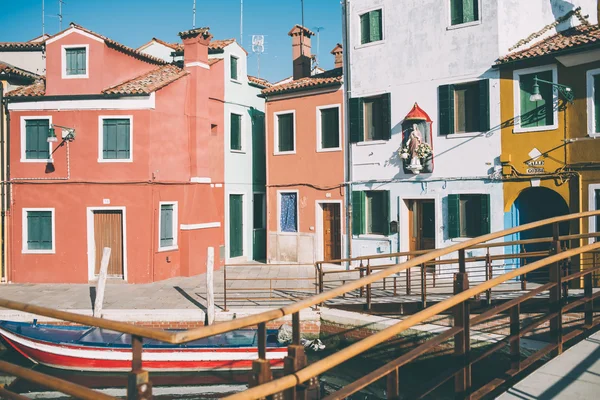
column 403, row 152
column 424, row 151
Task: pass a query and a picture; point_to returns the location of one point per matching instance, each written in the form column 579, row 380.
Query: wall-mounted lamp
column 566, row 91
column 67, row 133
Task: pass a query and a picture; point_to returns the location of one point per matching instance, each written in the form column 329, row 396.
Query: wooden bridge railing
column 298, row 376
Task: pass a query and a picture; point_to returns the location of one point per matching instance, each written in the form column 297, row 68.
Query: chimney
column 301, row 51
column 338, row 54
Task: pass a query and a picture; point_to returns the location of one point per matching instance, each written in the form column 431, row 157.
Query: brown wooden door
column 332, row 243
column 108, row 232
column 421, row 224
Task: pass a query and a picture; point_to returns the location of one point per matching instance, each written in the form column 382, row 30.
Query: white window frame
column 360, row 45
column 517, row 98
column 25, row 250
column 24, row 140
column 450, row 27
column 63, row 68
column 279, row 193
column 237, row 80
column 276, row 115
column 320, row 149
column 242, row 130
column 101, row 119
column 591, row 113
column 175, row 245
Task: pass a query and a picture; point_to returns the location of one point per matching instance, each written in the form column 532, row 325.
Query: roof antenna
column 318, row 29
column 194, row 16
column 302, row 30
column 60, row 14
column 241, row 22
column 43, row 28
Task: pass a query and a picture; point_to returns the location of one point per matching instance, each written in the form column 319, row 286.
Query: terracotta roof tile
column 173, row 46
column 10, row 69
column 195, row 32
column 36, row 90
column 568, row 39
column 327, row 78
column 220, row 44
column 148, row 82
column 21, row 45
column 262, row 83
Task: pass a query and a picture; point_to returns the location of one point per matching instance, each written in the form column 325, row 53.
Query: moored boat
column 83, row 348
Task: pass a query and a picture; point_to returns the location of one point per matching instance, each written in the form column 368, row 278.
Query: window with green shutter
column 285, row 132
column 468, row 215
column 330, row 128
column 371, row 212
column 597, row 104
column 463, row 11
column 377, row 118
column 236, row 132
column 234, row 67
column 116, row 140
column 167, row 225
column 76, row 61
column 464, row 108
column 536, row 113
column 371, row 27
column 36, row 139
column 39, row 230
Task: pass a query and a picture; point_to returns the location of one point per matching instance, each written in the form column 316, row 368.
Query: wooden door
column 108, row 232
column 421, row 224
column 332, row 243
column 236, row 225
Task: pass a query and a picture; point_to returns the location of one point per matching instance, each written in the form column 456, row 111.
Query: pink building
column 305, row 160
column 136, row 164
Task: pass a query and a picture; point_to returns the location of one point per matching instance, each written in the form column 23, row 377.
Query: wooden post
column 408, row 281
column 462, row 340
column 515, row 338
column 393, row 385
column 423, row 287
column 488, row 275
column 555, row 293
column 294, row 361
column 368, row 286
column 523, row 263
column 587, row 294
column 261, row 368
column 361, row 273
column 139, row 386
column 225, row 287
column 210, row 285
column 101, row 284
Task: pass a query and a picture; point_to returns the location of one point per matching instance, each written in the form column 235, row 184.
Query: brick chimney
column 301, row 54
column 338, row 54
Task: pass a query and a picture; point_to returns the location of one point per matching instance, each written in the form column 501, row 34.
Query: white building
column 438, row 54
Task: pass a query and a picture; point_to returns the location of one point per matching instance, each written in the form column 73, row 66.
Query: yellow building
column 550, row 108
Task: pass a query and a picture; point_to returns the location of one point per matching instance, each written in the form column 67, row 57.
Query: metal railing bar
column 540, row 321
column 580, row 302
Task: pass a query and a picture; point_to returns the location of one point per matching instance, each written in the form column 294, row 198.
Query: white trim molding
column 23, row 123
column 193, row 227
column 276, row 115
column 197, row 64
column 24, row 226
column 591, row 109
column 517, row 98
column 91, row 243
column 320, row 238
column 358, row 31
column 125, row 103
column 63, row 64
column 200, row 179
column 320, row 149
column 73, row 30
column 101, row 119
column 279, row 193
column 175, row 244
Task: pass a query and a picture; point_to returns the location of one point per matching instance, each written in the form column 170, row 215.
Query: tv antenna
column 60, row 15
column 241, row 22
column 194, row 15
column 318, row 29
column 258, row 47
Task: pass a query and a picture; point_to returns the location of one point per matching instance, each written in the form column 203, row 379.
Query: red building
column 136, row 165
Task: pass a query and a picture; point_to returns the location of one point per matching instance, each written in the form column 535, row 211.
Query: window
column 535, row 114
column 370, row 118
column 468, row 215
column 36, row 144
column 234, row 67
column 596, row 97
column 288, row 217
column 236, row 132
column 370, row 212
column 463, row 11
column 116, row 140
column 75, row 61
column 593, row 102
column 259, row 211
column 38, row 230
column 371, row 27
column 284, row 135
column 464, row 108
column 168, row 226
column 329, row 128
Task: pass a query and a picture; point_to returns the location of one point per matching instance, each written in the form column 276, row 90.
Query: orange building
column 305, row 160
column 134, row 164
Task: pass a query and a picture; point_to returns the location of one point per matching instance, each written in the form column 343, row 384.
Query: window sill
column 329, row 150
column 236, row 81
column 120, row 160
column 594, row 135
column 75, row 76
column 463, row 25
column 371, row 142
column 170, row 248
column 37, row 160
column 370, row 44
column 287, row 233
column 535, row 129
column 25, row 251
column 238, row 151
column 284, row 153
column 372, row 236
column 464, row 135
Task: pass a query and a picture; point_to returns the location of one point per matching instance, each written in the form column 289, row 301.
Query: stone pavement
column 575, row 374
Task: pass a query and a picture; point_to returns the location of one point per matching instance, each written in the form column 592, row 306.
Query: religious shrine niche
column 416, row 151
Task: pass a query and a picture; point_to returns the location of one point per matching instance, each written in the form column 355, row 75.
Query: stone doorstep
column 377, row 323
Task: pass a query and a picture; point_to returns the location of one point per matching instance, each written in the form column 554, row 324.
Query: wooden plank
column 101, row 284
column 210, row 285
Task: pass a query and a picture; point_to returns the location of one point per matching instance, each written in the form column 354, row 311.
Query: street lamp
column 566, row 91
column 70, row 135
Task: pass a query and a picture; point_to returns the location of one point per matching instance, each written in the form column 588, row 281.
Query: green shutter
column 485, row 215
column 357, row 124
column 484, row 105
column 386, row 114
column 286, row 132
column 364, row 28
column 456, row 12
column 358, row 213
column 234, row 67
column 446, row 109
column 36, row 139
column 166, row 225
column 236, row 132
column 76, row 61
column 330, row 128
column 116, row 139
column 375, row 28
column 385, row 215
column 536, row 113
column 453, row 216
column 597, row 105
column 39, row 230
column 236, row 225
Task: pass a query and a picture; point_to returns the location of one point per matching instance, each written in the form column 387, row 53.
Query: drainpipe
column 2, row 218
column 347, row 144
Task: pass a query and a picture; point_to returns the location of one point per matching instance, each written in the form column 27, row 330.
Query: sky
column 135, row 22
